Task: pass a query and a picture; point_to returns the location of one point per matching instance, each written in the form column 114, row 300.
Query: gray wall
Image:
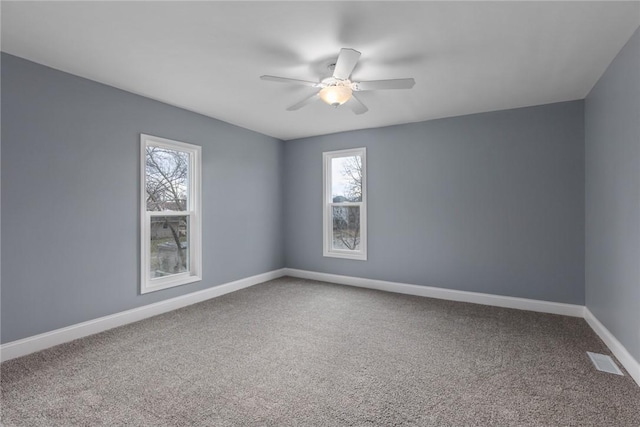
column 70, row 190
column 612, row 135
column 489, row 203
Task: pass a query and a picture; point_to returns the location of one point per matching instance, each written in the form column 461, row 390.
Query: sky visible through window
column 339, row 182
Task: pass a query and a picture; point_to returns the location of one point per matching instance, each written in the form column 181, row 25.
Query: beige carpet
column 301, row 353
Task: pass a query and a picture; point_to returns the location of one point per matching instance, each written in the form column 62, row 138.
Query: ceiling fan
column 338, row 89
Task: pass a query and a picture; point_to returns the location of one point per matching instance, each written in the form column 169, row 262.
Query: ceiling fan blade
column 304, row 102
column 357, row 106
column 345, row 64
column 293, row 81
column 384, row 84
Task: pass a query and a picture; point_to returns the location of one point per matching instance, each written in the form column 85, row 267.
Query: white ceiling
column 466, row 57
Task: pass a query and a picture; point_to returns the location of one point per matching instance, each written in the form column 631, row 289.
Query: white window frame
column 194, row 274
column 328, row 204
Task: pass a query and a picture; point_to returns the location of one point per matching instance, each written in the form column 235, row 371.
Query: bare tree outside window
column 346, row 219
column 346, row 227
column 352, row 171
column 167, row 175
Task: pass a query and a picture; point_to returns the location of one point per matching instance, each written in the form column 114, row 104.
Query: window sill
column 357, row 256
column 170, row 282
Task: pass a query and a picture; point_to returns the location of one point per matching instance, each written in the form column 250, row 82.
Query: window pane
column 167, row 177
column 346, row 179
column 346, row 227
column 169, row 245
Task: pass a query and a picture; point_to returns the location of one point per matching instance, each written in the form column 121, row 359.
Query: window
column 170, row 217
column 345, row 204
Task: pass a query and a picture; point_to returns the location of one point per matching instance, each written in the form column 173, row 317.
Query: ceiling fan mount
column 338, row 89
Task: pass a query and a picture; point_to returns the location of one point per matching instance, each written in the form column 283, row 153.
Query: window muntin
column 345, row 213
column 171, row 240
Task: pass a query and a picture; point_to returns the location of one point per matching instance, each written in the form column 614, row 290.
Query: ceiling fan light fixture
column 338, row 88
column 335, row 95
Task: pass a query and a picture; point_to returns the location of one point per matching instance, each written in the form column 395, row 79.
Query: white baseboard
column 39, row 342
column 441, row 293
column 624, row 357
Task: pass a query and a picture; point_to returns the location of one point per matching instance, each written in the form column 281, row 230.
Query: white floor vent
column 604, row 363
